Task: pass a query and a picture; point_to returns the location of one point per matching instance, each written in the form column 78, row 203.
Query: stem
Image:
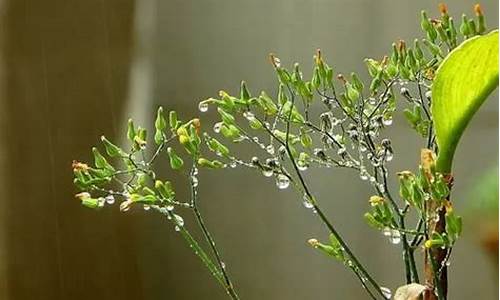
column 320, row 213
column 436, row 271
column 228, row 285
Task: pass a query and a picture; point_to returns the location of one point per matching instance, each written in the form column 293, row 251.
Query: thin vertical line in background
column 109, row 74
column 52, row 170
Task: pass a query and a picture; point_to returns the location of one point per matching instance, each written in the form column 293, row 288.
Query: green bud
column 142, row 179
column 441, row 33
column 131, row 130
column 101, row 162
column 306, row 140
column 464, row 27
column 316, row 79
column 227, row 118
column 244, row 93
column 111, row 148
column 356, row 82
column 481, row 28
column 370, row 219
column 215, row 164
column 419, row 54
column 351, row 92
column 90, row 203
column 424, row 21
column 267, row 104
column 255, row 124
column 375, row 84
column 218, row 147
column 434, row 49
column 373, row 66
column 175, row 161
column 472, row 26
column 160, row 125
column 172, row 120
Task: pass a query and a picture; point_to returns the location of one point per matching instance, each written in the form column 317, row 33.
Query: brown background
column 67, row 71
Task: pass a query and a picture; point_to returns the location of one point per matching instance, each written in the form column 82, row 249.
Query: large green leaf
column 463, row 82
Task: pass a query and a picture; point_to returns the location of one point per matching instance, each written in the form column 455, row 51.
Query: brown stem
column 435, row 258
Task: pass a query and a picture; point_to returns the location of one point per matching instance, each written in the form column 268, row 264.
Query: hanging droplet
column 203, row 106
column 276, row 61
column 101, row 201
column 217, row 127
column 307, row 202
column 177, row 228
column 302, row 165
column 146, row 207
column 386, row 292
column 179, row 220
column 110, row 199
column 223, row 265
column 428, row 95
column 389, row 155
column 387, row 120
column 363, row 174
column 267, row 172
column 270, row 149
column 249, row 115
column 282, row 182
column 395, row 237
column 170, row 207
column 386, row 231
column 233, row 164
column 194, row 181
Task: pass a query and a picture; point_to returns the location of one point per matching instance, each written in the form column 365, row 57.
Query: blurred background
column 71, row 70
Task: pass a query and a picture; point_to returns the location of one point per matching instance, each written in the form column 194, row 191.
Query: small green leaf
column 175, row 161
column 101, row 162
column 111, row 148
column 463, row 82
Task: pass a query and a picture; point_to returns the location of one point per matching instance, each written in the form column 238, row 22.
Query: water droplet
column 194, row 181
column 307, row 202
column 203, row 106
column 277, row 61
column 217, row 127
column 302, row 165
column 363, row 174
column 267, row 172
column 387, row 121
column 233, row 164
column 146, row 207
column 249, row 115
column 110, row 199
column 178, row 220
column 386, row 292
column 428, row 95
column 386, row 231
column 177, row 228
column 389, row 155
column 282, row 182
column 395, row 237
column 270, row 149
column 222, row 264
column 170, row 207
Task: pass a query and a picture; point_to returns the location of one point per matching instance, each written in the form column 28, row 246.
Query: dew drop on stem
column 110, row 199
column 386, row 292
column 203, row 106
column 395, row 237
column 282, row 182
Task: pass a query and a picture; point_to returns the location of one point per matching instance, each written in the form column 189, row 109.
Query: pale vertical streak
column 109, row 75
column 140, row 93
column 3, row 160
column 52, row 186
